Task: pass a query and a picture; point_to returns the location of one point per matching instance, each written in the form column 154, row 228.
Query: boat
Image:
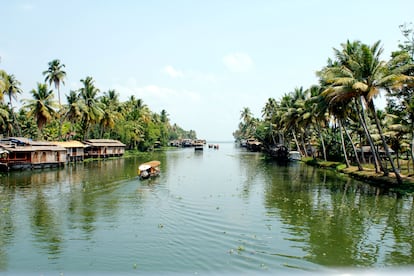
column 294, row 155
column 198, row 146
column 149, row 169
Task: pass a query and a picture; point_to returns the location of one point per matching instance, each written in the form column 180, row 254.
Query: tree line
column 88, row 113
column 338, row 116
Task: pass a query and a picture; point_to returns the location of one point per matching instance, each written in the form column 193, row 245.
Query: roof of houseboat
column 70, row 144
column 104, row 143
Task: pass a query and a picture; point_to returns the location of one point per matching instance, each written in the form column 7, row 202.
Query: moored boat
column 294, row 155
column 149, row 169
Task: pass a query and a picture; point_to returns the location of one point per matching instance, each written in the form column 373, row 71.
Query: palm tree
column 268, row 113
column 55, row 74
column 363, row 75
column 110, row 115
column 12, row 90
column 4, row 83
column 286, row 122
column 93, row 111
column 248, row 123
column 42, row 106
column 73, row 111
column 4, row 118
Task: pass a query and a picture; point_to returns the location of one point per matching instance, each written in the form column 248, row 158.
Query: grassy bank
column 367, row 175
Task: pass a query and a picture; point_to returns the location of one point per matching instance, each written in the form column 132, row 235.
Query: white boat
column 294, row 155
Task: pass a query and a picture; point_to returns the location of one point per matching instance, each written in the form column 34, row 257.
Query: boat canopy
column 147, row 165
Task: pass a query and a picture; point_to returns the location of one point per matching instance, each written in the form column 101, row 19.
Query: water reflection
column 224, row 210
column 341, row 222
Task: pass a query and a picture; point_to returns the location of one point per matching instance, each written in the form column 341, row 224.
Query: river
column 225, row 211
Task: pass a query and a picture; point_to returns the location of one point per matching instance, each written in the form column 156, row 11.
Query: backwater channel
column 225, row 211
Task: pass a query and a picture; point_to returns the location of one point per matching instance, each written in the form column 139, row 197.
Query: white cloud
column 238, row 62
column 156, row 96
column 171, row 71
column 191, row 75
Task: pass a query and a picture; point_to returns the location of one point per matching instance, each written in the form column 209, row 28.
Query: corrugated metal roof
column 104, row 143
column 11, row 148
column 70, row 144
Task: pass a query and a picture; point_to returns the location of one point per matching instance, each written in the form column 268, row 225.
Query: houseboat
column 75, row 150
column 18, row 153
column 103, row 148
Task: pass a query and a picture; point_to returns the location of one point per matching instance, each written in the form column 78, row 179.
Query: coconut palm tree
column 93, row 112
column 42, row 107
column 4, row 83
column 13, row 88
column 4, row 118
column 268, row 114
column 363, row 75
column 55, row 74
column 73, row 111
column 110, row 115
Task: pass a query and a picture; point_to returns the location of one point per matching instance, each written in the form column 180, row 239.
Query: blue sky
column 201, row 61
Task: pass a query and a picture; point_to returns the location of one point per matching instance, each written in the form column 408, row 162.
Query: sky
column 201, row 61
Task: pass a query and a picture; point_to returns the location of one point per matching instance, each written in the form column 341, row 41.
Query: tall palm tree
column 286, row 121
column 12, row 90
column 363, row 75
column 55, row 74
column 42, row 106
column 4, row 118
column 110, row 114
column 93, row 111
column 268, row 114
column 73, row 111
column 4, row 83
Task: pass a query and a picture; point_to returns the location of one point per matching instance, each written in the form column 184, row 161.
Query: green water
column 220, row 211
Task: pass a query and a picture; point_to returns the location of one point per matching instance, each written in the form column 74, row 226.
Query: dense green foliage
column 337, row 117
column 89, row 113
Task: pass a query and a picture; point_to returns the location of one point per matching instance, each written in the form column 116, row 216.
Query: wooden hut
column 75, row 150
column 102, row 148
column 18, row 153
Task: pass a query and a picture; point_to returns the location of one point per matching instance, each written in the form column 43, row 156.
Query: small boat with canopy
column 149, row 169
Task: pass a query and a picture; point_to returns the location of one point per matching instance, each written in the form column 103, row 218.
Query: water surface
column 218, row 211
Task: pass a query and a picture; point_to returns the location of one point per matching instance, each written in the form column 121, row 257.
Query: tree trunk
column 322, row 142
column 362, row 150
column 343, row 144
column 296, row 140
column 304, row 145
column 360, row 168
column 412, row 148
column 377, row 163
column 384, row 143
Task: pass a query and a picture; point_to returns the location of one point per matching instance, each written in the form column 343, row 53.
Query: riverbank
column 368, row 175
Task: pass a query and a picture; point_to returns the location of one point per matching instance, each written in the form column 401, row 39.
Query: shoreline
column 368, row 175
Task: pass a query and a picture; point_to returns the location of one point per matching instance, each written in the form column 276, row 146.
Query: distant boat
column 294, row 155
column 149, row 169
column 198, row 145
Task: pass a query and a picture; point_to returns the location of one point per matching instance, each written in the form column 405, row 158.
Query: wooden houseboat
column 103, row 148
column 17, row 153
column 253, row 145
column 75, row 150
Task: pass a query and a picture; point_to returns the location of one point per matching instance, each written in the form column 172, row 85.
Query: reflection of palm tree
column 45, row 226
